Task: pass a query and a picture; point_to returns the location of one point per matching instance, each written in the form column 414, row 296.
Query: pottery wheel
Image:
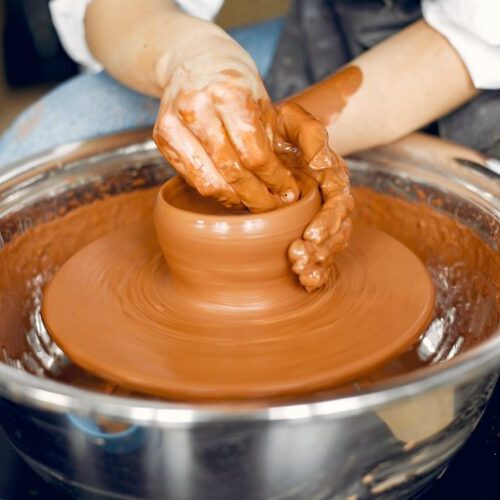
column 128, row 323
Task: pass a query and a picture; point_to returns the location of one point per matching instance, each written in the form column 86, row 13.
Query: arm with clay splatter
column 389, row 91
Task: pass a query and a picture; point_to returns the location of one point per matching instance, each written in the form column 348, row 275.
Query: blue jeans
column 91, row 105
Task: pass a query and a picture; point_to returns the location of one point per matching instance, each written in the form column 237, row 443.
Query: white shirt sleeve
column 69, row 15
column 473, row 29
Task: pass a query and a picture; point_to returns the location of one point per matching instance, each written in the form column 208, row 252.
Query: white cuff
column 472, row 28
column 68, row 17
column 204, row 9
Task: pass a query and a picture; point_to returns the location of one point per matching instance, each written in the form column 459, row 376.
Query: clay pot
column 232, row 257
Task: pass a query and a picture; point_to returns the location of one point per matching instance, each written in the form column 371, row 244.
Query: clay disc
column 127, row 323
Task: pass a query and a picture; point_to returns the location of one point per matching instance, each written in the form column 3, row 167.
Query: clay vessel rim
column 309, row 192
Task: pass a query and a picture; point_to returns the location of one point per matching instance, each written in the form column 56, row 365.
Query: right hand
column 298, row 133
column 215, row 127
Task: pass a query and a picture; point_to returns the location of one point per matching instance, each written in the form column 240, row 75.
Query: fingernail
column 288, row 197
column 314, row 234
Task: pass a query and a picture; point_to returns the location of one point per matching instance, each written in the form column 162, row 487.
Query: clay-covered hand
column 215, row 128
column 298, row 132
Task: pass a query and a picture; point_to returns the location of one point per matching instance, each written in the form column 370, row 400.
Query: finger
column 198, row 167
column 304, row 252
column 312, row 262
column 309, row 135
column 241, row 118
column 302, row 130
column 209, row 130
column 324, row 254
column 315, row 277
column 171, row 156
column 333, row 183
column 312, row 273
column 328, row 221
column 339, row 241
column 299, row 255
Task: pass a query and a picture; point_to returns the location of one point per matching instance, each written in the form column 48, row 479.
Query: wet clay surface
column 224, row 318
column 464, row 271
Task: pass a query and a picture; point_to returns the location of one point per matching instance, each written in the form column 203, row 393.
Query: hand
column 299, row 133
column 215, row 127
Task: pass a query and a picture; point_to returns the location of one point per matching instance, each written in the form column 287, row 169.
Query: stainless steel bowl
column 388, row 441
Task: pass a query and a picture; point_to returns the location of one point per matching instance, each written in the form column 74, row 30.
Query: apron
column 320, row 36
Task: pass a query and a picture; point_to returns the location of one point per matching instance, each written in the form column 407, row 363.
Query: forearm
column 402, row 84
column 140, row 42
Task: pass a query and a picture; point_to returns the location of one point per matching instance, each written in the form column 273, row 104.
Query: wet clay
column 30, row 259
column 327, row 98
column 209, row 309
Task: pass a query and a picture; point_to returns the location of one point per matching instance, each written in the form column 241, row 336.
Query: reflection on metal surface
column 491, row 167
column 494, row 165
column 433, row 337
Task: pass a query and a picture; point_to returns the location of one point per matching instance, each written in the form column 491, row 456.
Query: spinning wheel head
column 224, row 318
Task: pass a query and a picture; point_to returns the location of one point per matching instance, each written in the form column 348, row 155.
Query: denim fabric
column 91, row 105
